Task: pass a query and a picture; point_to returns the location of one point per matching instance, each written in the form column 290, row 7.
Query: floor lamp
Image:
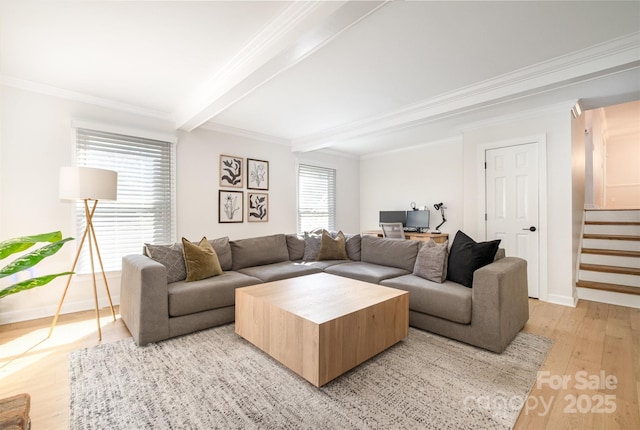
column 89, row 185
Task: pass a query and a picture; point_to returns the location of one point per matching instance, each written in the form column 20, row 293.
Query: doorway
column 512, row 203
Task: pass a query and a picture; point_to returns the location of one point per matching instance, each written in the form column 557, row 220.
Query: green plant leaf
column 32, row 258
column 30, row 283
column 19, row 244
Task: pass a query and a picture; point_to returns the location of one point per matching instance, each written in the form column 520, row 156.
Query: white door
column 512, row 204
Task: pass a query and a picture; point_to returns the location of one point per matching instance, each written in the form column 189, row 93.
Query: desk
column 437, row 237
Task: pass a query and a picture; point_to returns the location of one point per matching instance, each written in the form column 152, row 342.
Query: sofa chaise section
column 488, row 315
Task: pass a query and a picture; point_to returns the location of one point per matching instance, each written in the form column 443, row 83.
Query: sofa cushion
column 171, row 257
column 332, row 249
column 322, row 264
column 431, row 262
column 223, row 251
column 258, row 251
column 295, row 246
column 201, row 260
column 353, row 246
column 389, row 252
column 367, row 272
column 187, row 298
column 281, row 270
column 448, row 300
column 466, row 256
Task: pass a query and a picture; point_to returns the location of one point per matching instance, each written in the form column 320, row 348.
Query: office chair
column 392, row 230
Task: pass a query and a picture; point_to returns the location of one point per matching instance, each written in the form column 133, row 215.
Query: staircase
column 610, row 258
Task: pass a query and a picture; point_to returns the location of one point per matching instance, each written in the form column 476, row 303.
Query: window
column 144, row 211
column 316, row 197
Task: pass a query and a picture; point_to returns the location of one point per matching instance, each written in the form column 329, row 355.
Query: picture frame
column 257, row 207
column 231, row 174
column 257, row 174
column 230, row 206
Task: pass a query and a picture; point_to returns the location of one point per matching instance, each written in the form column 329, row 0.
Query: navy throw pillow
column 466, row 256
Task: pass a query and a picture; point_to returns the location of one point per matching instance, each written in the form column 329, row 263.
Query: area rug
column 216, row 379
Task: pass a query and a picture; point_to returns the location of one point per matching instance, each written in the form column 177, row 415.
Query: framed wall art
column 231, row 174
column 257, row 174
column 258, row 207
column 230, row 206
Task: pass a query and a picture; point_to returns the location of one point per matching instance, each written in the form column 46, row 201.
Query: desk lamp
column 440, row 206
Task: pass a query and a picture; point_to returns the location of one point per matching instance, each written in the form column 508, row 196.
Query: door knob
column 532, row 228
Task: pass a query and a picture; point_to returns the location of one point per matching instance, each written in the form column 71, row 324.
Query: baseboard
column 610, row 297
column 49, row 311
column 563, row 300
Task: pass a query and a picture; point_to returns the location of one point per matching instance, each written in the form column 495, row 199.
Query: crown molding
column 221, row 128
column 561, row 107
column 580, row 65
column 337, row 153
column 446, row 141
column 48, row 90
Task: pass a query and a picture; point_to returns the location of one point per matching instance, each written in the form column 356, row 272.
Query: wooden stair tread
column 613, row 252
column 611, row 237
column 612, row 222
column 609, row 287
column 610, row 269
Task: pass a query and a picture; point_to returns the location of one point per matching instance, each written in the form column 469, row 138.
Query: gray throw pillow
column 170, row 256
column 431, row 262
column 311, row 245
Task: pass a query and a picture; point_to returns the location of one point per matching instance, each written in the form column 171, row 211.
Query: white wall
column 426, row 174
column 578, row 185
column 36, row 140
column 623, row 175
column 595, row 124
column 198, row 155
column 391, row 181
column 557, row 281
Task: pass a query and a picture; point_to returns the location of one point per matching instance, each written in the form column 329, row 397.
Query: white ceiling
column 358, row 77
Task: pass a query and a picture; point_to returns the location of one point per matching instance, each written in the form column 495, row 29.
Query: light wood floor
column 591, row 338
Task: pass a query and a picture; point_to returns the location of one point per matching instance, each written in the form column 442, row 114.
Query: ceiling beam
column 302, row 29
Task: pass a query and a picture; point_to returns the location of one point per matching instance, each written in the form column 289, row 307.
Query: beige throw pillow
column 201, row 260
column 332, row 249
column 431, row 262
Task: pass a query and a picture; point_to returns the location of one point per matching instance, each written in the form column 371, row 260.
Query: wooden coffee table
column 321, row 325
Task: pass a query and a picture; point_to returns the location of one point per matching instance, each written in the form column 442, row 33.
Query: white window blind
column 144, row 211
column 316, row 198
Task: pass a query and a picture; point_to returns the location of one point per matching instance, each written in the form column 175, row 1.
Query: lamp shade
column 88, row 183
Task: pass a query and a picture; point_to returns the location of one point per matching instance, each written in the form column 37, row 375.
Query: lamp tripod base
column 91, row 235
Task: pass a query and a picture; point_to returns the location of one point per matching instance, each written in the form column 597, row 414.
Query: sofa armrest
column 500, row 305
column 144, row 300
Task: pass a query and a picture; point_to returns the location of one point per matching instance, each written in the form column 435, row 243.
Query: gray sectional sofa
column 488, row 315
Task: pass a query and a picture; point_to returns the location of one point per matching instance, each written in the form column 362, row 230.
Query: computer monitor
column 393, row 216
column 418, row 220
